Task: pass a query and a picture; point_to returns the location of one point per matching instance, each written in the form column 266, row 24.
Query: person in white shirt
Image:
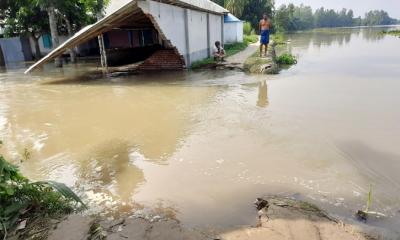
column 219, row 52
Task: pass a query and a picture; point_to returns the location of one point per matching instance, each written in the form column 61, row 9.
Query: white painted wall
column 215, row 30
column 171, row 19
column 233, row 32
column 198, row 35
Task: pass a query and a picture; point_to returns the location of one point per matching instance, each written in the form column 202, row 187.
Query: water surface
column 206, row 144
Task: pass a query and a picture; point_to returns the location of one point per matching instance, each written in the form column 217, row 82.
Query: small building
column 14, row 50
column 162, row 34
column 233, row 29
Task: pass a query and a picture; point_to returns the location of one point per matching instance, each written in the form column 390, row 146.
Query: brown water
column 206, row 144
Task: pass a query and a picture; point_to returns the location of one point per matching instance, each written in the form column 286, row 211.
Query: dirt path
column 241, row 57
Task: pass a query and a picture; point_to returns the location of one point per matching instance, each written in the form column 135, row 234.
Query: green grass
column 392, row 32
column 230, row 49
column 279, row 38
column 21, row 199
column 250, row 39
column 202, row 63
column 286, row 59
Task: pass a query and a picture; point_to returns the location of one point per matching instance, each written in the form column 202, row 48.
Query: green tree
column 25, row 18
column 255, row 9
column 236, row 7
column 50, row 7
column 378, row 17
column 219, row 2
column 95, row 8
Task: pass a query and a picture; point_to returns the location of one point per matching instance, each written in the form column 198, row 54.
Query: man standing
column 265, row 25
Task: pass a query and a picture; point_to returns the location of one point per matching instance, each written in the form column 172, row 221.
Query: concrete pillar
column 208, row 36
column 222, row 30
column 187, row 37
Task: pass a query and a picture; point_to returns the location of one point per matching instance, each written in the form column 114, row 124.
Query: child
column 219, row 52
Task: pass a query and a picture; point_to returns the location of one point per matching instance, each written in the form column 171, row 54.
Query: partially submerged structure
column 233, row 29
column 164, row 34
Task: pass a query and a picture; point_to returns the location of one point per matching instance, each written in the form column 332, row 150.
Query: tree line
column 33, row 18
column 293, row 18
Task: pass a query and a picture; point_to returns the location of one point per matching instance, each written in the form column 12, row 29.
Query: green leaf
column 63, row 190
column 14, row 208
column 9, row 191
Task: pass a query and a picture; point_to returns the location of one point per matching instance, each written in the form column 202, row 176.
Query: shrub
column 250, row 39
column 22, row 199
column 392, row 32
column 278, row 38
column 286, row 59
column 247, row 28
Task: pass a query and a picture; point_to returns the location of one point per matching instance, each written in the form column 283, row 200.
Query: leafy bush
column 21, row 199
column 286, row 59
column 250, row 39
column 279, row 38
column 392, row 32
column 247, row 28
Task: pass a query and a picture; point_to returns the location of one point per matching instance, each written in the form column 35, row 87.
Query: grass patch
column 392, row 32
column 279, row 38
column 24, row 205
column 202, row 63
column 286, row 59
column 230, row 49
column 250, row 38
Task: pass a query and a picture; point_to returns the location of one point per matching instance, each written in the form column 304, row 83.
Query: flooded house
column 151, row 35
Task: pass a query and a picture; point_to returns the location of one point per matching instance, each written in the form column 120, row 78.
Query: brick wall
column 166, row 59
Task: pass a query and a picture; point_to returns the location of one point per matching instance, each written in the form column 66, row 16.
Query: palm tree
column 236, row 7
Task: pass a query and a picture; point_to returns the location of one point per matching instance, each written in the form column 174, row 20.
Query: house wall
column 215, row 30
column 11, row 51
column 187, row 30
column 233, row 32
column 198, row 35
column 43, row 49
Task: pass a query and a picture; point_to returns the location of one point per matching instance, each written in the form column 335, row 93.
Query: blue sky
column 359, row 6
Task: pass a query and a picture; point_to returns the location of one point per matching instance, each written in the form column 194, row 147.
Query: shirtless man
column 265, row 25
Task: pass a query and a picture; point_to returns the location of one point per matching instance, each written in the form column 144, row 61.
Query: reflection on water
column 109, row 166
column 262, row 94
column 204, row 143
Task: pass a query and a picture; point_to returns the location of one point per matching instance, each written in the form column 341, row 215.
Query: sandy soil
column 279, row 218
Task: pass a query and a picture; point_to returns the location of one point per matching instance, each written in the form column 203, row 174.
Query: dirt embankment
column 279, row 218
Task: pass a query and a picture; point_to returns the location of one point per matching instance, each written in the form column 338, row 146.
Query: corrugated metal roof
column 114, row 18
column 206, row 5
column 231, row 18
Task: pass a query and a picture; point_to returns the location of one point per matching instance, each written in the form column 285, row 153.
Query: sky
column 360, row 7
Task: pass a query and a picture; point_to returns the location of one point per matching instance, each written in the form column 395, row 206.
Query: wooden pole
column 103, row 54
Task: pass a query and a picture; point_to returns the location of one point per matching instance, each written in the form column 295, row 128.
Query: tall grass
column 247, row 28
column 21, row 199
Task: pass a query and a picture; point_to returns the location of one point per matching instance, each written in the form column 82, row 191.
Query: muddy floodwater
column 203, row 145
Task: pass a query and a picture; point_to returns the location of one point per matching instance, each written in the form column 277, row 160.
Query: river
column 203, row 145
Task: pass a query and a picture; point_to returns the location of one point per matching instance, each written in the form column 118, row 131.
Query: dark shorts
column 264, row 37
